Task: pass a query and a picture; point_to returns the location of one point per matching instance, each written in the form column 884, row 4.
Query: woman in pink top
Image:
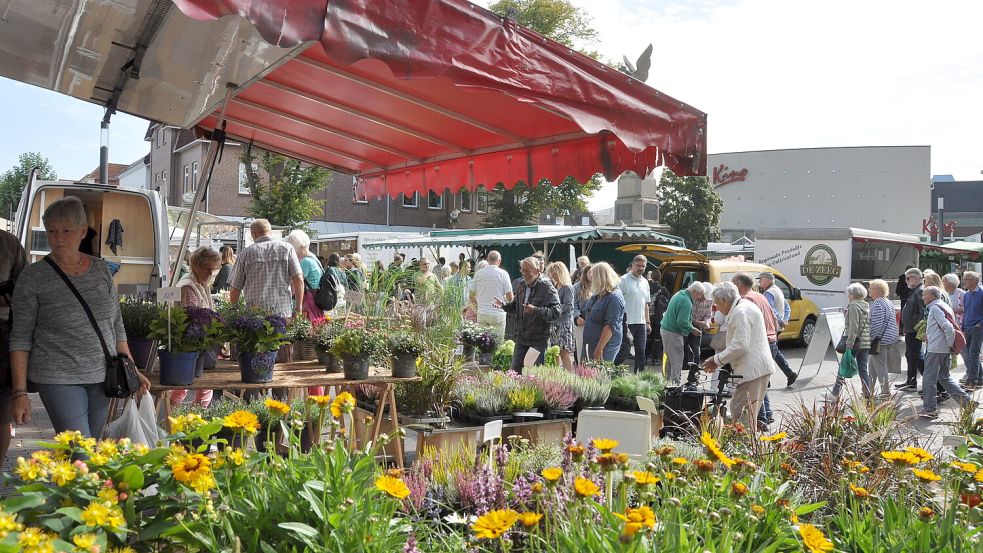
column 204, row 265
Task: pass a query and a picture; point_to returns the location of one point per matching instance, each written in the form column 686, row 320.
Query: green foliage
column 405, row 343
column 253, row 329
column 13, row 181
column 552, row 356
column 559, row 20
column 300, row 329
column 138, row 314
column 691, row 207
column 286, row 200
column 502, row 358
column 179, row 332
column 439, row 369
column 625, row 389
column 325, row 333
column 522, row 205
column 357, row 342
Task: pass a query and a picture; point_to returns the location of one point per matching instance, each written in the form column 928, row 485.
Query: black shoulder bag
column 121, row 374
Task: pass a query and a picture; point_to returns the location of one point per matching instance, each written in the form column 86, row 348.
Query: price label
column 168, row 294
column 493, row 431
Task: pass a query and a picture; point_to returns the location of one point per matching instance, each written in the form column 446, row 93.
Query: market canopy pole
column 214, row 147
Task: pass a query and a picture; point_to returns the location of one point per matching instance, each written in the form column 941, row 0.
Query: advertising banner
column 819, row 268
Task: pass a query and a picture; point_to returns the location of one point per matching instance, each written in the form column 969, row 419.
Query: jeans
column 691, row 349
column 519, row 355
column 971, row 354
column 937, row 372
column 861, row 356
column 765, row 412
column 638, row 333
column 776, row 354
column 673, row 345
column 913, row 354
column 81, row 407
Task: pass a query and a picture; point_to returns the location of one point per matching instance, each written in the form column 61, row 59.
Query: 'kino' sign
column 724, row 175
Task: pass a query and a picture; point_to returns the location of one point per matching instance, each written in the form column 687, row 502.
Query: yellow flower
column 813, row 539
column 859, row 493
column 140, row 450
column 926, row 475
column 98, row 459
column 107, row 448
column 978, row 476
column 493, row 524
column 343, row 403
column 186, row 423
column 971, row 468
column 68, row 436
column 29, row 471
column 32, row 537
column 236, row 456
column 645, row 478
column 84, row 542
column 62, row 473
column 191, row 467
column 103, row 513
column 203, row 483
column 320, row 401
column 636, row 519
column 773, row 437
column 529, row 520
column 552, row 474
column 276, row 407
column 920, row 453
column 713, row 448
column 585, row 487
column 109, row 494
column 900, row 458
column 8, row 524
column 392, row 486
column 926, row 513
column 604, row 444
column 757, row 509
column 242, row 421
column 738, row 489
column 680, row 460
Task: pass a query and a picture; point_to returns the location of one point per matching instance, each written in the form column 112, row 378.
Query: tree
column 13, row 181
column 286, row 199
column 691, row 208
column 523, row 205
column 569, row 25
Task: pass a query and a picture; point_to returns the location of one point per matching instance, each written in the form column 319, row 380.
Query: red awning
column 436, row 94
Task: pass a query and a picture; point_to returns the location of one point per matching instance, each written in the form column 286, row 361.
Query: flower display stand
column 450, row 440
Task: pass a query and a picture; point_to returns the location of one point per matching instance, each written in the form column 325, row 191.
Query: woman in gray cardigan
column 857, row 338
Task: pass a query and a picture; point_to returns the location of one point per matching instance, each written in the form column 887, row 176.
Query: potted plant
column 257, row 335
column 323, row 338
column 219, row 410
column 300, row 333
column 355, row 346
column 502, row 357
column 138, row 313
column 477, row 339
column 522, row 401
column 404, row 348
column 556, row 390
column 208, row 330
column 428, row 400
column 180, row 342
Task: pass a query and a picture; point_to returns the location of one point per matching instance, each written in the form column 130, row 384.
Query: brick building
column 177, row 157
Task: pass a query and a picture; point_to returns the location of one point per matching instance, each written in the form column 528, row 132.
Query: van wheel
column 808, row 327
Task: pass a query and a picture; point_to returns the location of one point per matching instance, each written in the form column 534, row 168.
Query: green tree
column 691, row 208
column 569, row 25
column 286, row 198
column 523, row 205
column 13, row 181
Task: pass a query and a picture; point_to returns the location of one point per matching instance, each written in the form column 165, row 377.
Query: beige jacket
column 747, row 348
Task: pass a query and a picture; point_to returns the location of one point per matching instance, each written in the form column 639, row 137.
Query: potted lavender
column 257, row 335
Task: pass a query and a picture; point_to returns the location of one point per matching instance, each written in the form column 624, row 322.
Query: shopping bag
column 138, row 423
column 848, row 365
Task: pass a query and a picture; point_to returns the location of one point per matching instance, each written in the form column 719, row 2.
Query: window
column 163, row 179
column 435, row 200
column 467, row 200
column 187, row 176
column 784, row 287
column 411, row 201
column 358, row 194
column 481, row 200
column 194, row 175
column 244, row 179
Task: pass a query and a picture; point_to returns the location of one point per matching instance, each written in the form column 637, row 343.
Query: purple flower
column 247, row 323
column 278, row 323
column 195, row 330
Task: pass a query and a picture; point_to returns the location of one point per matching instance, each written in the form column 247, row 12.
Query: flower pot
column 307, row 435
column 355, row 368
column 140, row 349
column 285, row 354
column 484, row 358
column 234, row 440
column 304, row 351
column 469, row 353
column 256, row 368
column 404, row 365
column 331, row 363
column 200, row 364
column 177, row 369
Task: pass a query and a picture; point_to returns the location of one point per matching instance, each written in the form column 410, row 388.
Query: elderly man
column 582, row 263
column 535, row 305
column 973, row 328
column 677, row 324
column 912, row 312
column 635, row 289
column 268, row 273
column 488, row 284
column 746, row 352
column 782, row 311
column 744, row 284
column 940, row 334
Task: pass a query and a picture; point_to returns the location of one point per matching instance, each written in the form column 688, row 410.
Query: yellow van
column 680, row 267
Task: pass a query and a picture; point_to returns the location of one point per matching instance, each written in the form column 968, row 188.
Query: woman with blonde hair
column 604, row 313
column 561, row 331
column 884, row 354
column 205, row 263
column 581, row 293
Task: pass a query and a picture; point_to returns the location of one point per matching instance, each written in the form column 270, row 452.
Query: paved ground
column 810, row 388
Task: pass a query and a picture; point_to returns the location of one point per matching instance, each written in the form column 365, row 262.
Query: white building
column 883, row 188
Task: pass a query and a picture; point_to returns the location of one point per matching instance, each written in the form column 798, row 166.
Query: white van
column 141, row 214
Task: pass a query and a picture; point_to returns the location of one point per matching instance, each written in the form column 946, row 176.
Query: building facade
column 962, row 205
column 884, row 188
column 177, row 159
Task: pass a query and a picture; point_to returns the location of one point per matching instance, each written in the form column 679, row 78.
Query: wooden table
column 298, row 374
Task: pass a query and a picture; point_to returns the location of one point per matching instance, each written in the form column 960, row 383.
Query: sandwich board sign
column 829, row 328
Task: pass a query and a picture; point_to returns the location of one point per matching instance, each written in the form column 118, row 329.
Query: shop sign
column 724, row 175
column 820, row 266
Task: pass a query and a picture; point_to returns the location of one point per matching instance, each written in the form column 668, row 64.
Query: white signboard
column 165, row 295
column 819, row 268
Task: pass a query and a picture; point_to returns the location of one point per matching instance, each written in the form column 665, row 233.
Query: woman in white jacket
column 746, row 351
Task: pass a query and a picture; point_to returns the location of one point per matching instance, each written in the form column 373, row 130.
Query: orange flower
column 738, row 489
column 859, row 493
column 585, row 487
column 530, row 520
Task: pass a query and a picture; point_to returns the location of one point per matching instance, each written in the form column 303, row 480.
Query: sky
column 770, row 74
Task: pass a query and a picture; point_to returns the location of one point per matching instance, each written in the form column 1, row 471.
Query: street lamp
column 941, row 208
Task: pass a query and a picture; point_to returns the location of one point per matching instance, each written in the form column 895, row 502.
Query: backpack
column 660, row 302
column 329, row 290
column 960, row 341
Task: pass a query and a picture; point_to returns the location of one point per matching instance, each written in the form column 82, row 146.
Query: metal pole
column 200, row 192
column 104, row 150
column 941, row 219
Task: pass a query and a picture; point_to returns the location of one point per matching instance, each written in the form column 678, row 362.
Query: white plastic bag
column 138, row 423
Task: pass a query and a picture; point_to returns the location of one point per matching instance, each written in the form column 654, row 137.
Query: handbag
column 121, row 374
column 841, row 345
column 875, row 346
column 848, row 365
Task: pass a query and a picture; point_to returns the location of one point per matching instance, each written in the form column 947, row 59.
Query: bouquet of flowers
column 187, row 329
column 478, row 337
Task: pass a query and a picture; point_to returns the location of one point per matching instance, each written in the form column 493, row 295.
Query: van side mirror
column 796, row 294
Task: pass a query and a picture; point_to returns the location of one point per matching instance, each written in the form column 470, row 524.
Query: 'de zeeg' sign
column 820, row 269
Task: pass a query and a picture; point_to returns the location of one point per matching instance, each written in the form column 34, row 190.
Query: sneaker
column 830, row 398
column 762, row 426
column 925, row 414
column 963, row 380
column 906, row 387
column 791, row 380
column 970, row 387
column 941, row 397
column 770, row 420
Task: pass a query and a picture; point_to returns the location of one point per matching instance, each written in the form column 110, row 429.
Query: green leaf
column 24, row 501
column 300, row 528
column 267, row 548
column 153, row 457
column 73, row 513
column 132, row 476
column 806, row 509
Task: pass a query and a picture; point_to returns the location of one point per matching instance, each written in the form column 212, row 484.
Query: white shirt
column 490, row 283
column 747, row 348
column 637, row 297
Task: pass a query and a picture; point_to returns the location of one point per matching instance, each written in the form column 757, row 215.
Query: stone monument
column 636, row 204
